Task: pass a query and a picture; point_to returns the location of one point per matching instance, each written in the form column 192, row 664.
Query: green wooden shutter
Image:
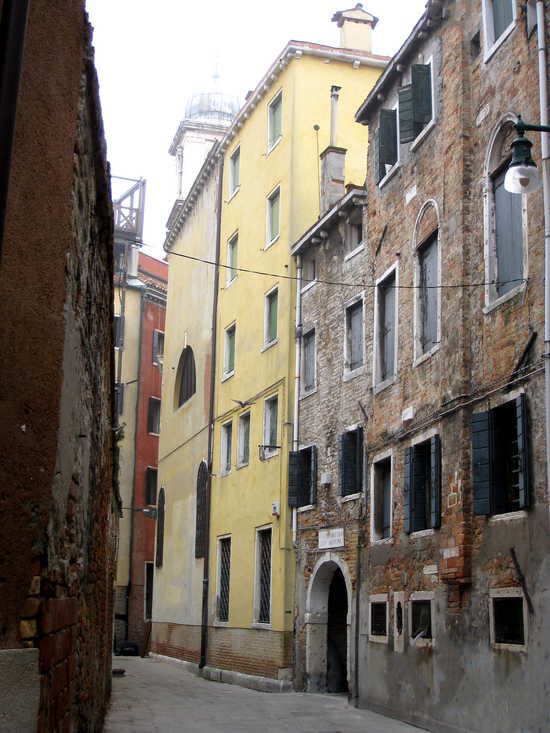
column 421, row 75
column 348, row 468
column 408, row 499
column 358, row 460
column 313, row 475
column 420, row 484
column 294, row 477
column 481, row 462
column 378, row 168
column 523, row 452
column 435, row 483
column 406, row 116
column 388, row 139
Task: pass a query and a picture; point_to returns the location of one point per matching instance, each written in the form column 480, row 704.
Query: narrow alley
column 157, row 696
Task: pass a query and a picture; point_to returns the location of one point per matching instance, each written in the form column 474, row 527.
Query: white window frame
column 379, row 598
column 424, row 132
column 231, row 276
column 157, row 399
column 378, row 458
column 508, row 593
column 269, row 452
column 393, row 170
column 358, row 247
column 420, row 356
column 490, row 44
column 310, row 283
column 224, row 471
column 378, row 386
column 147, row 562
column 217, row 621
column 267, row 342
column 277, row 97
column 234, row 188
column 351, row 373
column 240, row 439
column 257, row 594
column 492, row 299
column 422, row 596
column 229, row 373
column 303, row 391
column 269, row 238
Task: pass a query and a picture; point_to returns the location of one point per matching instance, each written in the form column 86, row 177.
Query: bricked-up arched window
column 201, row 529
column 186, row 384
column 160, row 529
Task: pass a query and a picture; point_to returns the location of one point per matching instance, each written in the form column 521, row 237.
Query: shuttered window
column 149, row 577
column 158, row 346
column 201, row 518
column 225, row 576
column 185, row 377
column 264, row 575
column 378, row 618
column 428, row 294
column 271, row 410
column 508, row 226
column 308, row 361
column 381, row 500
column 229, row 353
column 354, row 335
column 500, row 458
column 271, row 308
column 351, row 462
column 244, row 440
column 153, row 416
column 386, row 328
column 159, row 555
column 226, row 447
column 275, row 120
column 422, row 504
column 273, row 211
column 387, row 143
column 151, row 476
column 118, row 326
column 235, row 171
column 119, row 398
column 302, row 477
column 415, row 103
column 232, row 254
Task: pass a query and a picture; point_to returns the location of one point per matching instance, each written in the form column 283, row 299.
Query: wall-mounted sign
column 331, row 538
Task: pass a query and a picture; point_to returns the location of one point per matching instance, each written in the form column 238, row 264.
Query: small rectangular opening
column 421, row 622
column 378, row 618
column 508, row 620
column 382, row 500
column 506, row 463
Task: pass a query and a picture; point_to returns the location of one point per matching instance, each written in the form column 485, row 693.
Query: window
column 271, row 408
column 378, row 618
column 428, row 295
column 118, row 326
column 273, row 211
column 149, row 576
column 508, row 619
column 421, row 620
column 158, row 346
column 224, row 572
column 153, row 416
column 244, row 440
column 416, row 103
column 229, row 353
column 270, row 319
column 302, row 477
column 354, row 336
column 386, row 144
column 422, row 505
column 227, row 439
column 308, row 272
column 275, row 121
column 119, row 398
column 201, row 518
column 500, row 458
column 351, row 462
column 235, row 171
column 185, row 377
column 151, row 476
column 386, row 329
column 263, row 580
column 159, row 554
column 232, row 253
column 381, row 500
column 499, row 18
column 353, row 238
column 120, row 258
column 308, row 362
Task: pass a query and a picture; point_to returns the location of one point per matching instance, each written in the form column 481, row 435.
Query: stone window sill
column 417, row 142
column 306, row 508
column 422, row 533
column 360, row 248
column 494, row 304
column 508, row 517
column 389, row 175
column 350, row 497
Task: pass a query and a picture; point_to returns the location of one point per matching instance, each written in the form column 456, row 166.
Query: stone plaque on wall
column 331, row 538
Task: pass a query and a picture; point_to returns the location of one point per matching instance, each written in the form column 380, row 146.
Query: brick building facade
column 58, row 499
column 452, row 521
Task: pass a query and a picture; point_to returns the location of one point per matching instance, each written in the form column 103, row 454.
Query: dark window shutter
column 377, row 167
column 406, row 115
column 523, row 452
column 313, row 474
column 160, row 530
column 481, row 462
column 294, row 477
column 347, row 465
column 388, row 139
column 155, row 345
column 421, row 75
column 201, row 523
column 358, row 460
column 151, row 475
column 407, row 490
column 420, row 485
column 435, row 483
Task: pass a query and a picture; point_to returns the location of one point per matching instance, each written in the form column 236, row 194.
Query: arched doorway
column 327, row 622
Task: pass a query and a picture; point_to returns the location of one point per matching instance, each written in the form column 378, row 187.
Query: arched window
column 185, row 377
column 505, row 230
column 201, row 528
column 160, row 530
column 427, row 269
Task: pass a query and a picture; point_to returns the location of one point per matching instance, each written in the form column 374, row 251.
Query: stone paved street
column 156, row 696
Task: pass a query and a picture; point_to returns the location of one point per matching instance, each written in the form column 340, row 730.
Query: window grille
column 186, row 377
column 225, row 570
column 378, row 626
column 201, row 523
column 264, row 538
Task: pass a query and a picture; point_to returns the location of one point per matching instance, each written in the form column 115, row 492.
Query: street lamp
column 522, row 175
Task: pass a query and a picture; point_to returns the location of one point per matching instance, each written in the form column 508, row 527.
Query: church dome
column 214, row 107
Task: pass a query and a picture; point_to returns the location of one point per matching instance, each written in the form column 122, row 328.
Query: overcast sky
column 152, row 55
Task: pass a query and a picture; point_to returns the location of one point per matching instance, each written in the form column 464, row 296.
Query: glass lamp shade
column 522, row 179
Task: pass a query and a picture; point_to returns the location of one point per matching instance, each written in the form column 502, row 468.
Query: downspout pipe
column 211, row 420
column 297, row 376
column 545, row 143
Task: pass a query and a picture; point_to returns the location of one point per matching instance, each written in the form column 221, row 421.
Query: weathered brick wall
column 262, row 652
column 181, row 641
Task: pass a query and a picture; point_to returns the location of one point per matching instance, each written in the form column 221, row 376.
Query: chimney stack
column 333, row 161
column 356, row 26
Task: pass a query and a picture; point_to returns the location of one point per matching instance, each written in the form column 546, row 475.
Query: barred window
column 185, row 377
column 201, row 523
column 224, row 575
column 264, row 575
